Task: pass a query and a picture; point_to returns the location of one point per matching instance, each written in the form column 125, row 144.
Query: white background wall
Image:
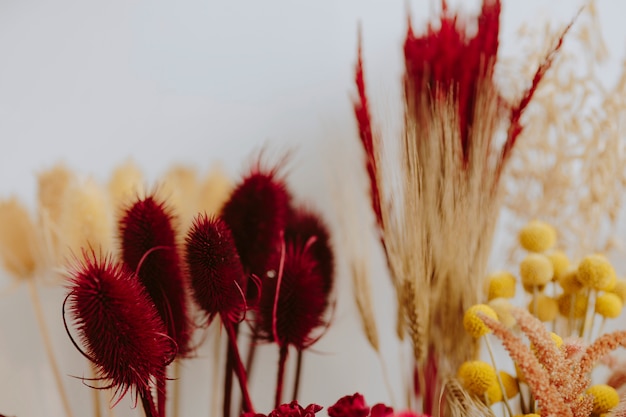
column 92, row 83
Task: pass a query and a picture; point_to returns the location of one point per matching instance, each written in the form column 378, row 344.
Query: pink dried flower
column 149, row 248
column 382, row 410
column 293, row 409
column 350, row 406
column 215, row 271
column 118, row 324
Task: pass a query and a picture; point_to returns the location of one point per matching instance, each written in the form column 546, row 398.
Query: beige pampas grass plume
column 126, row 182
column 179, row 187
column 215, row 188
column 19, row 240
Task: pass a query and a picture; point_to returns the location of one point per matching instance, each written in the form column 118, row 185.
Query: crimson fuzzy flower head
column 290, row 316
column 293, row 409
column 215, row 271
column 119, row 327
column 350, row 406
column 306, row 228
column 256, row 214
column 149, row 248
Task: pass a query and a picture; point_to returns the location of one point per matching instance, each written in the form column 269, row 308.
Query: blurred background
column 197, row 82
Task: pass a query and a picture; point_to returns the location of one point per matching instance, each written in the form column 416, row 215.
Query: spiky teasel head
column 118, row 325
column 293, row 300
column 256, row 214
column 149, row 247
column 215, row 271
column 306, row 228
column 19, row 241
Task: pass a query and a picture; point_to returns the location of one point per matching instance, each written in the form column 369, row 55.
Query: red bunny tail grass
column 215, row 271
column 256, row 214
column 119, row 327
column 149, row 248
column 306, row 228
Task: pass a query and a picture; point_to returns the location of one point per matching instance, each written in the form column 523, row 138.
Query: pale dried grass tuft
column 19, row 241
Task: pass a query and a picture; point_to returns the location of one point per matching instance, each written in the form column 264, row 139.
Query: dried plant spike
column 125, row 183
column 620, row 289
column 215, row 188
column 560, row 264
column 609, row 305
column 86, row 221
column 604, row 398
column 536, row 270
column 119, row 327
column 569, row 282
column 595, row 271
column 501, row 285
column 473, row 322
column 537, row 236
column 19, row 241
column 547, row 307
column 477, row 377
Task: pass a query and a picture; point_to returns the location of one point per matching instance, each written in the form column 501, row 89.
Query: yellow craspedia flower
column 604, row 398
column 537, row 236
column 477, row 377
column 502, row 307
column 595, row 271
column 569, row 282
column 500, row 285
column 510, row 384
column 474, row 324
column 494, row 393
column 558, row 340
column 572, row 305
column 547, row 307
column 560, row 263
column 609, row 305
column 536, row 270
column 619, row 289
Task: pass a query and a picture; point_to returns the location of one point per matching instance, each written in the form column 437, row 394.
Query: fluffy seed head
column 301, row 301
column 547, row 308
column 604, row 398
column 477, row 376
column 149, row 248
column 125, row 183
column 536, row 270
column 595, row 271
column 215, row 188
column 119, row 327
column 537, row 236
column 215, row 271
column 19, row 242
column 609, row 305
column 500, row 285
column 474, row 324
column 256, row 214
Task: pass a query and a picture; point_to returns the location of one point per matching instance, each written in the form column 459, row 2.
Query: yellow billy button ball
column 510, row 384
column 560, row 263
column 500, row 285
column 536, row 270
column 619, row 289
column 477, row 377
column 604, row 398
column 547, row 308
column 494, row 393
column 595, row 271
column 572, row 305
column 537, row 236
column 569, row 282
column 609, row 305
column 474, row 324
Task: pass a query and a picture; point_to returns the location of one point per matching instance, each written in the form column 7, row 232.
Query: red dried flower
column 292, row 409
column 350, row 406
column 149, row 248
column 306, row 228
column 215, row 271
column 381, row 410
column 256, row 214
column 118, row 325
column 293, row 302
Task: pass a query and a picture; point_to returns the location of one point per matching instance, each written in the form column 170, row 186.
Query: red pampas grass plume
column 256, row 214
column 149, row 248
column 119, row 327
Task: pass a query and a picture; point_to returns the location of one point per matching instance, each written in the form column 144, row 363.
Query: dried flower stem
column 95, row 393
column 47, row 342
column 296, row 384
column 238, row 366
column 148, row 404
column 282, row 359
column 176, row 368
column 495, row 367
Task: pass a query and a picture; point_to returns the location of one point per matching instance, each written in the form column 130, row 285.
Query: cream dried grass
column 20, row 247
column 126, row 182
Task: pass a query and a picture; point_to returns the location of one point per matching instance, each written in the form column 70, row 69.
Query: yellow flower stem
column 602, row 323
column 43, row 329
column 535, row 301
column 495, row 367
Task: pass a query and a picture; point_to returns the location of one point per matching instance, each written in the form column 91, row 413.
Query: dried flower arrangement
column 150, row 270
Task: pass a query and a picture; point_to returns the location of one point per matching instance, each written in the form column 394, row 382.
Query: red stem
column 282, row 359
column 228, row 380
column 148, row 404
column 238, row 367
column 296, row 384
column 162, row 394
